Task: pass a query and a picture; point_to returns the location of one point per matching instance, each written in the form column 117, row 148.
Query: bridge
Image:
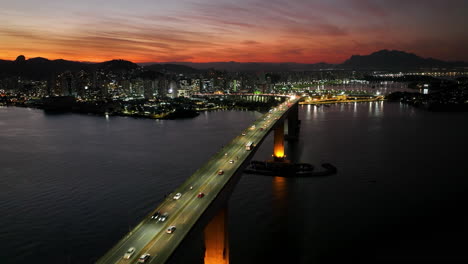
column 202, row 205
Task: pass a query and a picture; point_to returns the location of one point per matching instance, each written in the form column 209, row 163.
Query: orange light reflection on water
column 280, row 188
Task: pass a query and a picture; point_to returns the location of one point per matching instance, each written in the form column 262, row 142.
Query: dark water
column 72, row 185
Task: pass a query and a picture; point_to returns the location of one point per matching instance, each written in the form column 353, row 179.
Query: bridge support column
column 293, row 123
column 278, row 148
column 216, row 239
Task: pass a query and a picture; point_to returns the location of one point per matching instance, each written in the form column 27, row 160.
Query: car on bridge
column 170, row 229
column 143, row 258
column 220, row 172
column 156, row 215
column 129, row 253
column 200, row 195
column 163, row 217
column 177, row 196
column 249, row 145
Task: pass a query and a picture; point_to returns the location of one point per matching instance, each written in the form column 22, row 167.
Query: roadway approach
column 150, row 235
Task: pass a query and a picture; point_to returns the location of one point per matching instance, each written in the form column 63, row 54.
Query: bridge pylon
column 217, row 239
column 293, row 124
column 278, row 147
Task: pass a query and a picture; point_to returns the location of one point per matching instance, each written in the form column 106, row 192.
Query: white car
column 231, row 161
column 144, row 258
column 170, row 229
column 129, row 253
column 177, row 196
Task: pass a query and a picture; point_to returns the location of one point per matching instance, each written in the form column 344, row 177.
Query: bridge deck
column 150, row 235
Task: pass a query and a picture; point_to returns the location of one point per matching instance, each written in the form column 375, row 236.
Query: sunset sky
column 306, row 31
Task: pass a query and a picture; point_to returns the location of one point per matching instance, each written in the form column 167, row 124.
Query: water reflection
column 308, row 112
column 355, row 109
column 379, row 109
column 315, row 112
column 280, row 192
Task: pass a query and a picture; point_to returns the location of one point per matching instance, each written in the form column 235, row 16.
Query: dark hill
column 171, row 68
column 38, row 68
column 149, row 75
column 233, row 66
column 41, row 68
column 116, row 65
column 394, row 59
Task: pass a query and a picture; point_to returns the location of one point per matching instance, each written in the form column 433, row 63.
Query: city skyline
column 245, row 31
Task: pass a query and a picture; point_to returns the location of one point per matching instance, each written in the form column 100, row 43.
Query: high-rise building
column 173, row 88
column 162, row 87
column 125, row 90
column 196, row 85
column 68, row 84
column 149, row 87
column 51, row 83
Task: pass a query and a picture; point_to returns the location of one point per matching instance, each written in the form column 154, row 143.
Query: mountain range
column 394, row 59
column 233, row 66
column 380, row 60
column 41, row 68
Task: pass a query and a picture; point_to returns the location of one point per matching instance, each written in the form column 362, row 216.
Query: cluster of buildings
column 438, row 73
column 135, row 84
column 139, row 83
column 139, row 89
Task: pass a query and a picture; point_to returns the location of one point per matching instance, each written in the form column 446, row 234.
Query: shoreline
column 163, row 116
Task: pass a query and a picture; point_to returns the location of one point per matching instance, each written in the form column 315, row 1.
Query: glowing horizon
column 243, row 31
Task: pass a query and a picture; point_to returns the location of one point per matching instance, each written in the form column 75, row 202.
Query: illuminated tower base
column 278, row 148
column 216, row 239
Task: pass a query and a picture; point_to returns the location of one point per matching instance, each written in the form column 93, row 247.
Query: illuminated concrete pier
column 278, row 147
column 279, row 136
column 216, row 239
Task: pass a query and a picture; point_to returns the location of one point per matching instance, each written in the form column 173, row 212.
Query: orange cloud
column 257, row 30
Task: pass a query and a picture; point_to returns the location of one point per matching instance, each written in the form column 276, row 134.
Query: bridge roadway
column 150, row 235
